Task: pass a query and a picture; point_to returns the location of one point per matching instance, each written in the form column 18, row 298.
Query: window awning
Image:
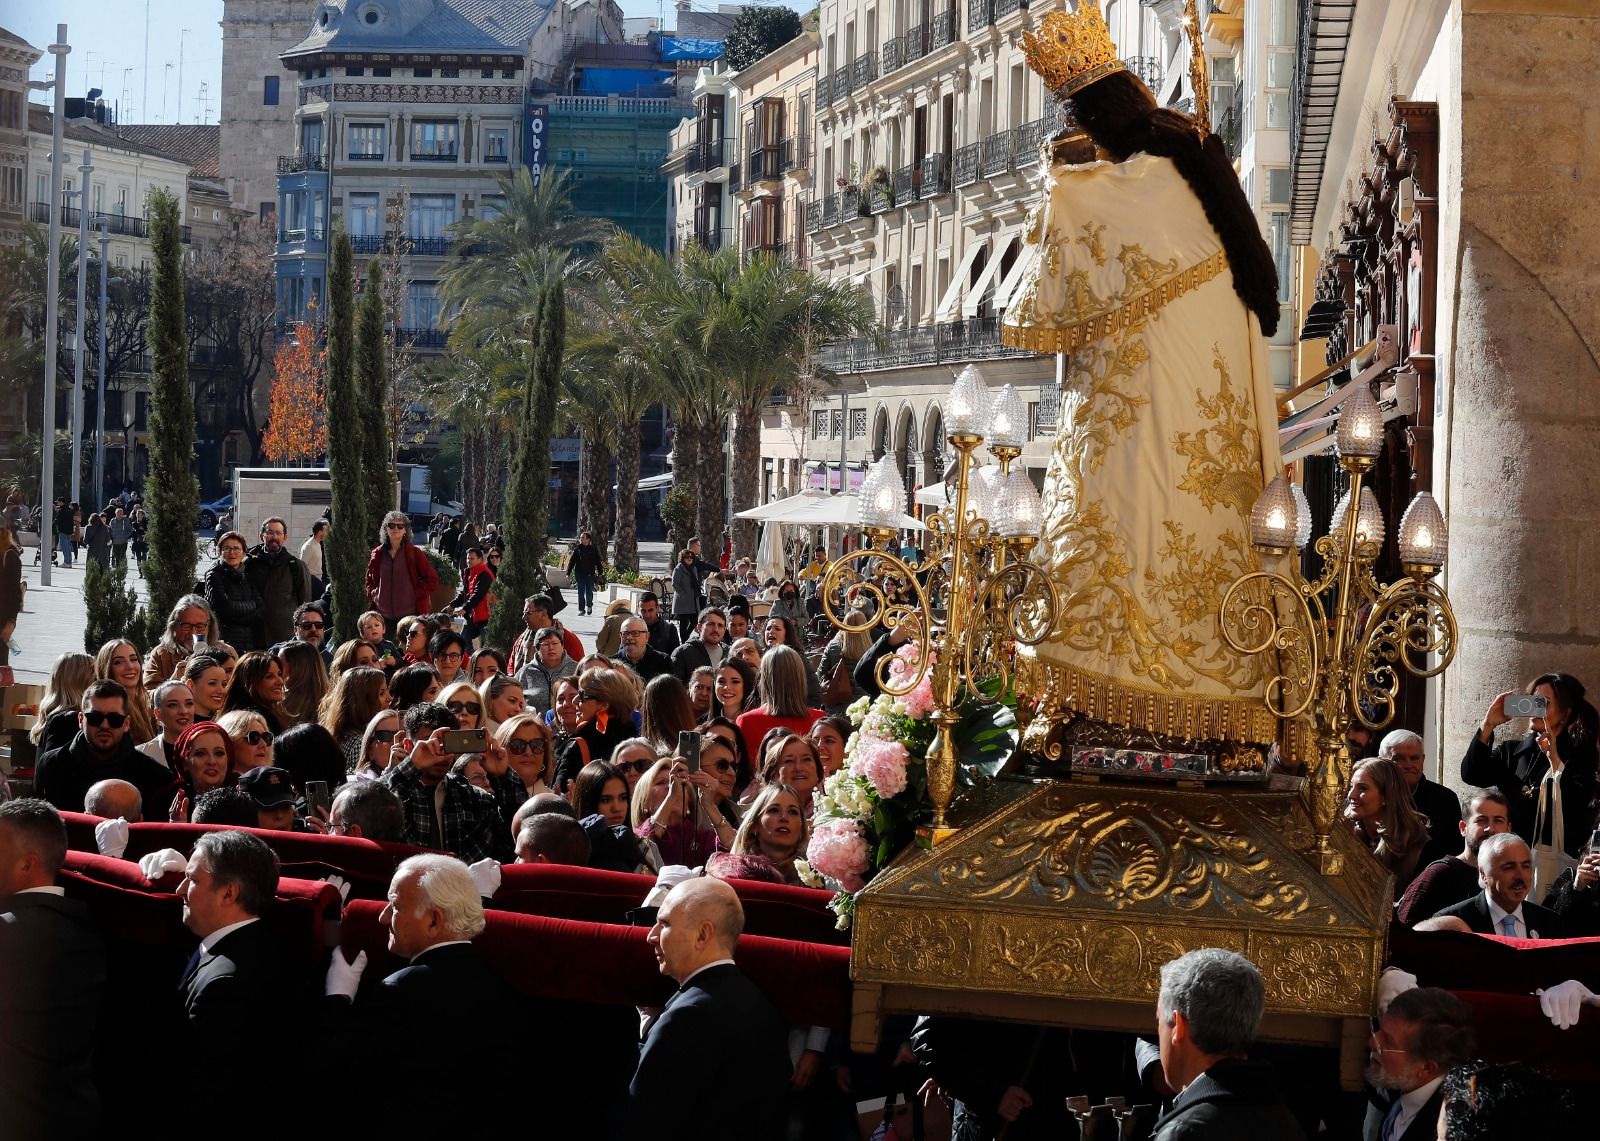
column 958, row 282
column 1013, row 280
column 991, row 269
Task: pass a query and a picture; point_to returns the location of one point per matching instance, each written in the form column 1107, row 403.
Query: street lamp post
column 47, row 476
column 100, row 384
column 86, row 168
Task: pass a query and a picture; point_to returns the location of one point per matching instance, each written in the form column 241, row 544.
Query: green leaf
column 985, row 738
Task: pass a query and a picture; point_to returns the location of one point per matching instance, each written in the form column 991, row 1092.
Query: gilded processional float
column 1148, row 614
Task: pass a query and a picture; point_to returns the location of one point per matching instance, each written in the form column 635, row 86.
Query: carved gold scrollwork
column 1411, row 621
column 1264, row 612
column 841, row 575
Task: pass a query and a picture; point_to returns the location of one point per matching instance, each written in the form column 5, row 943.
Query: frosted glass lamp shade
column 1424, row 541
column 966, row 410
column 1336, row 521
column 1275, row 518
column 1008, row 424
column 1360, row 425
column 1302, row 531
column 1369, row 520
column 870, row 496
column 1019, row 512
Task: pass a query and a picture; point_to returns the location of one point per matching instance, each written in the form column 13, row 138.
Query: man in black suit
column 1505, row 869
column 52, row 972
column 102, row 750
column 715, row 1064
column 1422, row 1034
column 445, row 996
column 1441, row 806
column 234, row 988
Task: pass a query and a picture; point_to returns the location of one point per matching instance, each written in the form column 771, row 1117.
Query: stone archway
column 907, row 445
column 880, row 434
column 933, row 447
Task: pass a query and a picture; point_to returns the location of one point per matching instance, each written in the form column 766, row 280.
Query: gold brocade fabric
column 1166, row 436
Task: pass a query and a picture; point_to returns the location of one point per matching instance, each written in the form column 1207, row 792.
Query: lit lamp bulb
column 890, row 495
column 1424, row 541
column 1302, row 530
column 1019, row 512
column 1369, row 520
column 981, row 491
column 869, row 499
column 1360, row 433
column 966, row 410
column 1275, row 518
column 1007, row 420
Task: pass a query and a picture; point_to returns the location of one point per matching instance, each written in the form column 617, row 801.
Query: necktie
column 192, row 964
column 1508, row 926
column 1389, row 1121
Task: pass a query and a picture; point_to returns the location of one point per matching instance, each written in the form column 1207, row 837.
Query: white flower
column 808, row 875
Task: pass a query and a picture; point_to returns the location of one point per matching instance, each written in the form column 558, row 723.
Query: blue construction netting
column 674, row 48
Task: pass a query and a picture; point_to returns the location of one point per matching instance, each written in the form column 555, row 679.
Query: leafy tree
column 231, row 309
column 111, row 607
column 171, row 490
column 372, row 391
column 351, row 467
column 757, row 31
column 528, row 505
column 297, row 422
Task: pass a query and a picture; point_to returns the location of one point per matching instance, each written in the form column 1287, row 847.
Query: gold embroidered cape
column 1166, row 435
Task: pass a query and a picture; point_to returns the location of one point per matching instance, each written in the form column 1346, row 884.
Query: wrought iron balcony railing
column 967, row 161
column 935, row 176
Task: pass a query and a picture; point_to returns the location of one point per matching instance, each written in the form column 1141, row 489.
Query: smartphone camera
column 1527, row 705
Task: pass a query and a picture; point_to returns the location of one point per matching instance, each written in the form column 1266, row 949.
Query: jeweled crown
column 1072, row 49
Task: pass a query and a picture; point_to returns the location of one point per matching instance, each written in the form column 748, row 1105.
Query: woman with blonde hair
column 606, row 701
column 56, row 723
column 252, row 739
column 206, row 673
column 305, row 680
column 1379, row 810
column 522, row 763
column 118, row 661
column 502, row 700
column 775, row 827
column 378, row 745
column 665, row 813
column 357, row 695
column 461, row 698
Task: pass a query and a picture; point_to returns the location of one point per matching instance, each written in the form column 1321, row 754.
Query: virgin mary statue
column 1154, row 283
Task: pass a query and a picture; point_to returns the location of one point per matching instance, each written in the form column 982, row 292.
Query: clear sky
column 108, row 49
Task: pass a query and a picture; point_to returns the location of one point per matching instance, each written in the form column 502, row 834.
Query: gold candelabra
column 1338, row 642
column 975, row 557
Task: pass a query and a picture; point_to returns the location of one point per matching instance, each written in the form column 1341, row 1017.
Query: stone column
column 1519, row 231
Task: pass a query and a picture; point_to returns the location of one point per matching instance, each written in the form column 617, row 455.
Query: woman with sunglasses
column 400, row 579
column 412, row 635
column 605, row 719
column 204, row 756
column 350, row 705
column 632, row 758
column 716, row 779
column 233, row 598
column 460, row 698
column 525, row 761
column 258, row 685
column 744, row 772
column 252, row 740
column 381, row 746
column 119, row 661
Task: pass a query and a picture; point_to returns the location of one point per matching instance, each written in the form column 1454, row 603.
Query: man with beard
column 1455, row 878
column 102, row 750
column 282, row 581
column 1422, row 1035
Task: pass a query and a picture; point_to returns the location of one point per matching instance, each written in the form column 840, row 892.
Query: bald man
column 715, row 1065
column 114, row 799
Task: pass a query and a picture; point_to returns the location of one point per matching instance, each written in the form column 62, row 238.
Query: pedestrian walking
column 400, row 579
column 65, row 525
column 121, row 534
column 97, row 539
column 584, row 567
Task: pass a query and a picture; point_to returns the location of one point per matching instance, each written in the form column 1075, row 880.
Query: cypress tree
column 171, row 490
column 344, row 560
column 373, row 403
column 528, row 500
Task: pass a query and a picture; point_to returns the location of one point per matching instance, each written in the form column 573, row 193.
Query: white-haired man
column 445, row 997
column 1441, row 806
column 1505, row 869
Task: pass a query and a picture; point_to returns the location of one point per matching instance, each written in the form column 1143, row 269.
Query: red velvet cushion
column 80, row 831
column 1457, row 960
column 808, row 983
column 1511, row 1027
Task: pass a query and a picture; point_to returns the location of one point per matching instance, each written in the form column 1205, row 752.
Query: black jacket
column 1443, row 810
column 652, row 664
column 1423, row 1126
column 237, row 604
column 584, row 561
column 283, row 583
column 1475, row 911
column 238, row 990
column 10, row 586
column 596, row 746
column 691, row 656
column 715, row 1065
column 52, row 973
column 1517, row 768
column 65, row 775
column 1234, row 1100
column 1579, row 909
column 663, row 636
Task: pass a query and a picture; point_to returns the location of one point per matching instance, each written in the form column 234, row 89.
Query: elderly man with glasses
column 638, row 655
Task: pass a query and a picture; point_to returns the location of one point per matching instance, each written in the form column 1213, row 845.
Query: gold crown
column 1072, row 49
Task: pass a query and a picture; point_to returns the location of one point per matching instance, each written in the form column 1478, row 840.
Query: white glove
column 1563, row 1002
column 344, row 979
column 486, row 875
column 111, row 837
column 157, row 864
column 342, row 884
column 1392, row 982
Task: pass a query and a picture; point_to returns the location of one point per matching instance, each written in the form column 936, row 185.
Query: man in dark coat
column 102, row 750
column 1505, row 869
column 705, row 648
column 715, row 1064
column 636, row 654
column 282, row 581
column 1441, row 806
column 52, row 972
column 1207, row 1015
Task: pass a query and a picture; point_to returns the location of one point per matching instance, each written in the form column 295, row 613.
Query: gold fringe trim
column 1158, row 710
column 1067, row 338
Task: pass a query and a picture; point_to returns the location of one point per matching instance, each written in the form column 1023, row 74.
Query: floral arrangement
column 870, row 808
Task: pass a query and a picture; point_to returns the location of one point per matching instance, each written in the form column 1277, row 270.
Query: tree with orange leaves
column 297, row 424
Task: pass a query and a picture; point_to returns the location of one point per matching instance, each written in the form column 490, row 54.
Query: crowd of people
column 686, row 742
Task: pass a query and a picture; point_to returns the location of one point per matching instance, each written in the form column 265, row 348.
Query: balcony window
column 430, row 215
column 311, row 137
column 496, row 144
column 422, row 305
column 493, row 206
column 434, row 140
column 361, row 216
column 366, row 141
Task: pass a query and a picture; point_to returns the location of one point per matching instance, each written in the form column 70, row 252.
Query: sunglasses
column 312, row 625
column 582, row 696
column 636, row 767
column 398, row 527
column 384, row 736
column 471, row 707
column 718, row 766
column 97, row 719
column 520, row 748
column 264, row 737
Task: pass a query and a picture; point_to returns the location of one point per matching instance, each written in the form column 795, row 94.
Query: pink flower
column 919, row 702
column 838, row 850
column 882, row 764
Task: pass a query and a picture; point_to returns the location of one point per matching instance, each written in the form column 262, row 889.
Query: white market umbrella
column 769, row 553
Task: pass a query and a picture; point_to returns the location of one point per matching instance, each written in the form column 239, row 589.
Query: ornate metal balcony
column 864, row 70
column 303, row 160
column 967, row 161
column 935, row 176
column 980, row 13
column 839, row 87
column 996, row 154
column 892, row 55
column 976, row 339
column 823, row 90
column 814, row 216
column 906, row 179
column 1025, row 143
column 705, row 155
column 914, row 44
column 1004, row 8
column 1147, row 68
column 945, row 29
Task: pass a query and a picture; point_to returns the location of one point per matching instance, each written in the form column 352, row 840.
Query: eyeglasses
column 582, row 696
column 233, row 549
column 452, row 656
column 96, row 718
column 471, row 707
column 630, row 635
column 519, row 747
column 636, row 767
column 262, row 737
column 398, row 527
column 384, row 736
column 313, row 625
column 718, row 766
